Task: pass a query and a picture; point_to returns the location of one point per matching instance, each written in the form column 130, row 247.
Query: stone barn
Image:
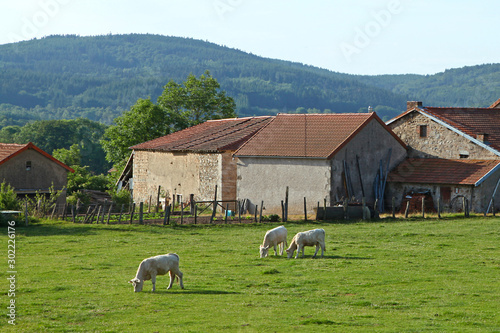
column 190, row 161
column 317, row 156
column 459, row 141
column 30, row 170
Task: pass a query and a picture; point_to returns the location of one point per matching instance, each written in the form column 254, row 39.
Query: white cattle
column 159, row 265
column 307, row 238
column 274, row 237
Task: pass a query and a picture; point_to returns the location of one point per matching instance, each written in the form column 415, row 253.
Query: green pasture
column 399, row 275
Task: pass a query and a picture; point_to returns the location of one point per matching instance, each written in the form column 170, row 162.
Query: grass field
column 386, row 276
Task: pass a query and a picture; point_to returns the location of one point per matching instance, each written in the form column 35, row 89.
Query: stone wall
column 177, row 173
column 440, row 141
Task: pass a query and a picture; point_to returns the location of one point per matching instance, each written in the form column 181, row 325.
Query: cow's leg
column 172, row 278
column 322, row 249
column 179, row 274
column 275, row 253
column 298, row 251
column 153, row 280
column 317, row 248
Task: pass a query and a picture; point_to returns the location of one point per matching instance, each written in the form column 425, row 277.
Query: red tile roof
column 470, row 121
column 9, row 150
column 442, row 171
column 308, row 135
column 212, row 135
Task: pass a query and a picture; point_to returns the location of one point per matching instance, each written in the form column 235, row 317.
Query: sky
column 349, row 36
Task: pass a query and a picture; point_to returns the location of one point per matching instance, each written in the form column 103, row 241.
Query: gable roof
column 308, row 135
column 496, row 104
column 468, row 122
column 211, row 136
column 443, row 171
column 10, row 150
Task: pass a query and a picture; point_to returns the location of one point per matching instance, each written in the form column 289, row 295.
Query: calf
column 276, row 236
column 307, row 238
column 159, row 265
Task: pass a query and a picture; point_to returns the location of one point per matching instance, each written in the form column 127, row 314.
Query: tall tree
column 196, row 101
column 180, row 105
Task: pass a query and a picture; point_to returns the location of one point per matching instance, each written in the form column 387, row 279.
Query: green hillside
column 99, row 77
column 66, row 77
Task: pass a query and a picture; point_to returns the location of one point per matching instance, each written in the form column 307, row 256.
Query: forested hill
column 65, row 77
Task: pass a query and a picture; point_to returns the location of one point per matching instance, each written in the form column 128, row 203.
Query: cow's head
column 289, row 253
column 137, row 284
column 263, row 251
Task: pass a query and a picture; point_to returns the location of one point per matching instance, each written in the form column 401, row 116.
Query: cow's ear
column 267, row 247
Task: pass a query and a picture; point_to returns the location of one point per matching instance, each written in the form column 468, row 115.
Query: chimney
column 482, row 137
column 410, row 105
column 370, row 109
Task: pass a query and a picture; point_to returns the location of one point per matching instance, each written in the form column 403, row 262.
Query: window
column 423, row 131
column 463, row 154
column 28, row 165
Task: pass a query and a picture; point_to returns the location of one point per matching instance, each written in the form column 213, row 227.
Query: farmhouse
column 318, row 157
column 454, row 154
column 30, row 170
column 192, row 161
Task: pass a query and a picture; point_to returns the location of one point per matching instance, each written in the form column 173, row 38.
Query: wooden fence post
column 239, row 211
column 214, row 205
column 141, row 212
column 121, row 212
column 195, row 213
column 423, row 207
column 282, row 211
column 256, row 209
column 98, row 214
column 286, row 205
column 158, row 199
column 26, row 219
column 260, row 214
column 166, row 218
column 439, row 207
column 109, row 212
column 191, row 204
column 407, row 210
column 226, row 213
column 104, row 210
column 132, row 210
column 182, row 212
column 305, row 209
column 393, row 207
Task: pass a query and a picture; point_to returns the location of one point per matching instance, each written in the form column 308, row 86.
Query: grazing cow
column 159, row 265
column 274, row 237
column 307, row 238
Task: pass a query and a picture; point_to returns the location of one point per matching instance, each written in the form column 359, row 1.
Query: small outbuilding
column 30, row 170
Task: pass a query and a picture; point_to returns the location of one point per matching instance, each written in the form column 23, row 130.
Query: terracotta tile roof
column 212, row 135
column 9, row 150
column 307, row 135
column 472, row 121
column 443, row 171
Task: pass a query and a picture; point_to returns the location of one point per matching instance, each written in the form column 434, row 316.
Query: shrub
column 8, row 198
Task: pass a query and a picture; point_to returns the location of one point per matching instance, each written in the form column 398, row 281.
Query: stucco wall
column 440, row 141
column 176, row 173
column 266, row 179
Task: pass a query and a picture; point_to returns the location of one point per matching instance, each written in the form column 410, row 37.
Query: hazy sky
column 349, row 36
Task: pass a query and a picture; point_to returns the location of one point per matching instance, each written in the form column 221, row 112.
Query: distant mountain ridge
column 64, row 77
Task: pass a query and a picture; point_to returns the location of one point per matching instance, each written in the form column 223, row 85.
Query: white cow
column 159, row 265
column 274, row 237
column 307, row 238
